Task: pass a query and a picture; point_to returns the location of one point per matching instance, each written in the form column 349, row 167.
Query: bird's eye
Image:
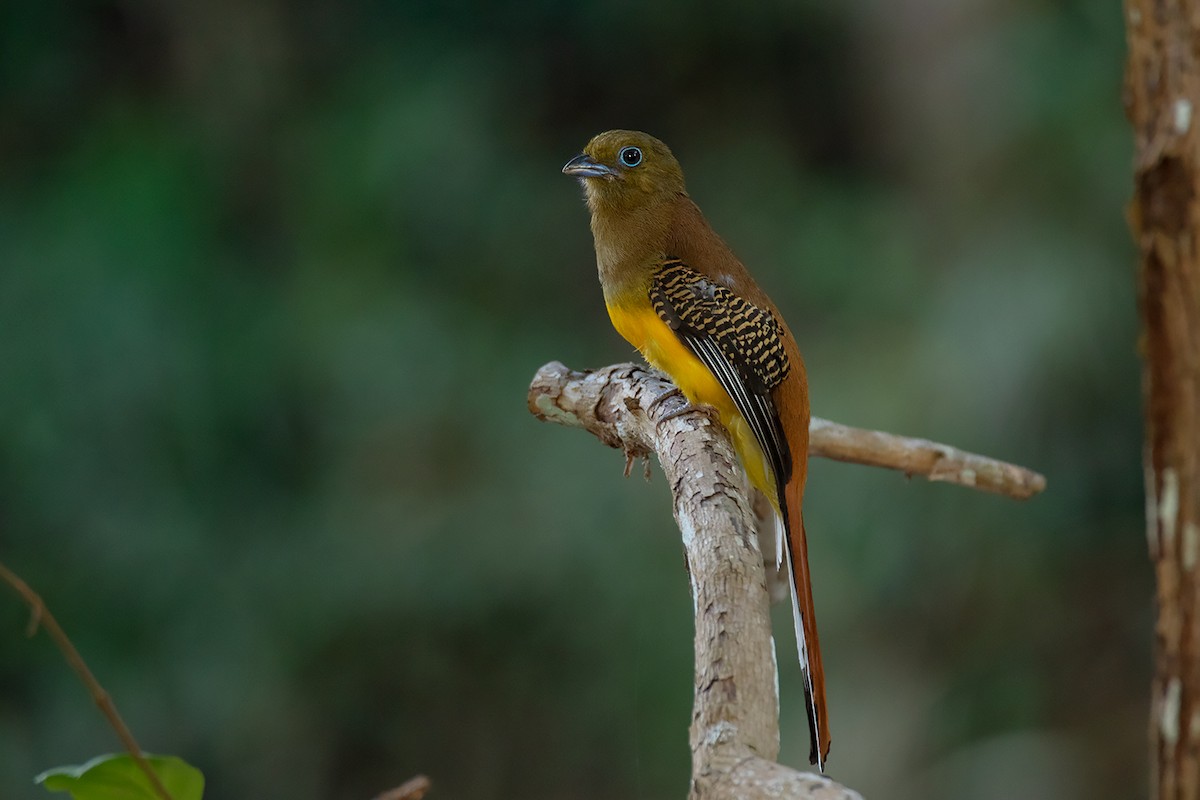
column 630, row 156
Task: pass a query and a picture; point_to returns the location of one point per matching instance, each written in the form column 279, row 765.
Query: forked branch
column 735, row 719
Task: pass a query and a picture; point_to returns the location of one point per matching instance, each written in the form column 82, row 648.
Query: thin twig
column 937, row 462
column 40, row 615
column 584, row 394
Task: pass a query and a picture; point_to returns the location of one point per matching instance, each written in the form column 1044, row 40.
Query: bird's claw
column 707, row 411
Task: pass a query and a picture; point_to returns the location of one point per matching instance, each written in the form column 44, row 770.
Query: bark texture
column 931, row 460
column 735, row 720
column 937, row 462
column 735, row 717
column 1161, row 96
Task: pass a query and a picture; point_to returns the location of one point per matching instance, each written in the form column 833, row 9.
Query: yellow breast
column 659, row 345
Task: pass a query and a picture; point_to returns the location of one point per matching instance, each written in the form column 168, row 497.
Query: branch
column 40, row 615
column 735, row 718
column 412, row 789
column 937, row 462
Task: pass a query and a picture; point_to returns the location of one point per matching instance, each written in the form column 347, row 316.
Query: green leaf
column 118, row 777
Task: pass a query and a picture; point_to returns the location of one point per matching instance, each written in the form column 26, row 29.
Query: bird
column 678, row 294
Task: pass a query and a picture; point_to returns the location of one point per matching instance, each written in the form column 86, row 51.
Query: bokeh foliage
column 273, row 280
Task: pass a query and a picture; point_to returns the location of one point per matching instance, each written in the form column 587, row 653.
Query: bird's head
column 626, row 169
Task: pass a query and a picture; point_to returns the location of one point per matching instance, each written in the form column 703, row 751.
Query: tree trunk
column 1161, row 95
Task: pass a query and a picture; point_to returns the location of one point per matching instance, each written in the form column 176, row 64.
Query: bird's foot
column 687, row 408
column 674, row 393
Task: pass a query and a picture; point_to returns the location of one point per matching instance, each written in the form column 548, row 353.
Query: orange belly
column 659, row 345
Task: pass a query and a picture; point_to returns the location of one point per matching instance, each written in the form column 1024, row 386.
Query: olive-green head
column 626, row 169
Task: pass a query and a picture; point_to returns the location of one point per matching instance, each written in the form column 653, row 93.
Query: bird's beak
column 582, row 166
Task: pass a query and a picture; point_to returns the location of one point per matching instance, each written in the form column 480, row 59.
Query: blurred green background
column 274, row 278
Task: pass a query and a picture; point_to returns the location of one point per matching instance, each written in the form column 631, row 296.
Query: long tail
column 796, row 545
